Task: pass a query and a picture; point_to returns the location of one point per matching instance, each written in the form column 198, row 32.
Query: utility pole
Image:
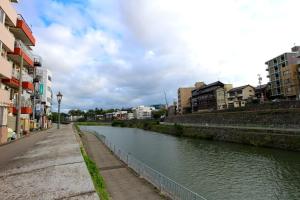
column 19, row 103
column 261, row 95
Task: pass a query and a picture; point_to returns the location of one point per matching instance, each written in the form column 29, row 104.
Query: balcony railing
column 38, row 61
column 21, row 45
column 24, row 102
column 20, row 17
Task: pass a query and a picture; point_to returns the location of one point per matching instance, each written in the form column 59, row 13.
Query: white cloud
column 124, row 53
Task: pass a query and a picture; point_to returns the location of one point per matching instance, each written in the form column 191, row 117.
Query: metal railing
column 165, row 185
column 21, row 45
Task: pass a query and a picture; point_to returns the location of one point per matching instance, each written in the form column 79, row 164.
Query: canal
column 216, row 170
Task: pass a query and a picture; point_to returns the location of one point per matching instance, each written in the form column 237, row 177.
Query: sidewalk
column 51, row 167
column 121, row 183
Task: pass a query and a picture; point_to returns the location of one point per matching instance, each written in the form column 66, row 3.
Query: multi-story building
column 210, row 97
column 184, row 98
column 284, row 74
column 239, row 96
column 143, row 112
column 45, row 96
column 16, row 59
column 263, row 92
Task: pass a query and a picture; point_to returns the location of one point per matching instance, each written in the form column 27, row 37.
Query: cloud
column 125, row 53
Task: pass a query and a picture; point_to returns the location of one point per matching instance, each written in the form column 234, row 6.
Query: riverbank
column 121, row 182
column 286, row 139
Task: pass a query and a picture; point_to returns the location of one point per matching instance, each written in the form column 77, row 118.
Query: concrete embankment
column 287, row 139
column 280, row 118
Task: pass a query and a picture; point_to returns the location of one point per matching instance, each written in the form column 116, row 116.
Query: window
column 49, row 78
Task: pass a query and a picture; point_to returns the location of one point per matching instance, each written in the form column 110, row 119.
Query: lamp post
column 59, row 97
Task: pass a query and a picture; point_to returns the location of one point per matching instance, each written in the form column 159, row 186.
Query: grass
column 98, row 180
column 96, row 177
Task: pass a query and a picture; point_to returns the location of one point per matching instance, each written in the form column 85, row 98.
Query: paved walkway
column 46, row 165
column 122, row 183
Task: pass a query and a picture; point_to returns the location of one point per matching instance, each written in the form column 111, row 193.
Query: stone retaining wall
column 287, row 118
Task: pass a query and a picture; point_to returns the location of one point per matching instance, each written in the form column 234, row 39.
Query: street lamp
column 59, row 97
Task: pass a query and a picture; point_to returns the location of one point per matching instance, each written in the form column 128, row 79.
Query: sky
column 125, row 53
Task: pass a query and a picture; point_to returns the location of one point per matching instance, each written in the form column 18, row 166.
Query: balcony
column 11, row 82
column 7, row 38
column 10, row 11
column 28, row 86
column 23, row 32
column 4, row 98
column 5, row 69
column 26, row 107
column 24, row 110
column 37, row 61
column 21, row 50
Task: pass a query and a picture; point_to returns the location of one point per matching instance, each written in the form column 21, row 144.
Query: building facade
column 185, row 96
column 284, row 74
column 210, row 97
column 239, row 96
column 16, row 71
column 143, row 112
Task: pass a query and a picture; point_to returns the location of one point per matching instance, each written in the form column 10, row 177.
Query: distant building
column 143, row 112
column 108, row 116
column 130, row 116
column 210, row 97
column 75, row 118
column 284, row 71
column 263, row 90
column 238, row 97
column 184, row 98
column 120, row 115
column 45, row 89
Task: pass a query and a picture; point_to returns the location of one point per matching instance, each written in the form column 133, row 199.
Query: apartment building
column 184, row 98
column 284, row 74
column 45, row 96
column 239, row 96
column 210, row 97
column 17, row 66
column 143, row 112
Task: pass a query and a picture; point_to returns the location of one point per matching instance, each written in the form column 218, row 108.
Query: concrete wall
column 274, row 118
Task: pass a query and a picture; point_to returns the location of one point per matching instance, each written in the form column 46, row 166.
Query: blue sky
column 116, row 53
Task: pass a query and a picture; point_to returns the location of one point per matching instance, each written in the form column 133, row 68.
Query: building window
column 49, row 78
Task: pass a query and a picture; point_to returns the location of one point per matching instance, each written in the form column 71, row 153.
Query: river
column 216, row 170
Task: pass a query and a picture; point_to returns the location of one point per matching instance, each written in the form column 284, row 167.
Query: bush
column 178, row 130
column 118, row 124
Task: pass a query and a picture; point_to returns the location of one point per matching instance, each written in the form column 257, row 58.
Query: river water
column 216, row 170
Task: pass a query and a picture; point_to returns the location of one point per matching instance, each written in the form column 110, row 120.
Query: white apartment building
column 45, row 90
column 143, row 112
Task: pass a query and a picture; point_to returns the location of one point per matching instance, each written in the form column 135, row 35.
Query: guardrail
column 165, row 185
